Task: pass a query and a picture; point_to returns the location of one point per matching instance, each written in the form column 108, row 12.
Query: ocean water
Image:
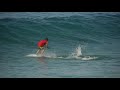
column 81, row 44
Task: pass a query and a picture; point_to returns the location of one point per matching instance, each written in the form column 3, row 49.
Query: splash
column 77, row 52
column 52, row 55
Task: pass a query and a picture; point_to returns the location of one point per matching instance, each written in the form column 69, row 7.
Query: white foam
column 69, row 57
column 88, row 58
column 77, row 52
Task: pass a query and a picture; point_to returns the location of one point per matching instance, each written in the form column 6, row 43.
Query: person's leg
column 38, row 51
column 42, row 52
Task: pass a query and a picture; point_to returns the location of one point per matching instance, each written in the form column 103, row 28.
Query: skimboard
column 34, row 55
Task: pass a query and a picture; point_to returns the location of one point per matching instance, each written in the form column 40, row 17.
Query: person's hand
column 47, row 47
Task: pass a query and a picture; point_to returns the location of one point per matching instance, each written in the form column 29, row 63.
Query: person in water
column 42, row 44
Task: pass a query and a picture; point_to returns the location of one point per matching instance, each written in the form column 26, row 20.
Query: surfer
column 42, row 44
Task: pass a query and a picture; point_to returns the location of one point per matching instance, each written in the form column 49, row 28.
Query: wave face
column 98, row 32
column 81, row 44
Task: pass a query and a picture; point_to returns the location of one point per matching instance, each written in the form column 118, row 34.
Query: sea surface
column 81, row 44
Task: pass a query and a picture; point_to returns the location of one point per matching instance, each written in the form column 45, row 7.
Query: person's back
column 42, row 43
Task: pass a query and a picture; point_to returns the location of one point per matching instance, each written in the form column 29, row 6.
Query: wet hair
column 46, row 39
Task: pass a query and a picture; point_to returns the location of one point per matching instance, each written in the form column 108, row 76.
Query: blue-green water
column 94, row 36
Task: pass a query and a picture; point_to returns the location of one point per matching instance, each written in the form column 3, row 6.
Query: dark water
column 94, row 36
